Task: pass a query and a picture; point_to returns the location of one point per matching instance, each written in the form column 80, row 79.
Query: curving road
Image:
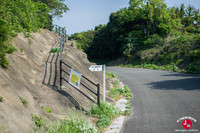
column 160, row 98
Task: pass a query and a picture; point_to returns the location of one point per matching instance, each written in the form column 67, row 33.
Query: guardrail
column 63, row 40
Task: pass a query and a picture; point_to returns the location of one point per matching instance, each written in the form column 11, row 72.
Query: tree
column 57, row 7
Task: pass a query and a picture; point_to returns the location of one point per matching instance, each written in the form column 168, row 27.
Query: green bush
column 193, row 69
column 106, row 112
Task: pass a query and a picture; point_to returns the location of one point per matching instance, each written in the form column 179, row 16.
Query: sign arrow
column 95, row 68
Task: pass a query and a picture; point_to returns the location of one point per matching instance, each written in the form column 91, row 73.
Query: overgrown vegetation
column 148, row 32
column 106, row 112
column 116, row 93
column 25, row 16
column 74, row 124
column 24, row 101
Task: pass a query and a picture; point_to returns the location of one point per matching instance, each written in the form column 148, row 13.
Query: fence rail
column 62, row 33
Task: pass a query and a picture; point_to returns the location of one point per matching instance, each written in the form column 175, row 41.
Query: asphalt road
column 160, row 98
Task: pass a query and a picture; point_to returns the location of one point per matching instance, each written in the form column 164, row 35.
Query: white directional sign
column 101, row 68
column 96, row 68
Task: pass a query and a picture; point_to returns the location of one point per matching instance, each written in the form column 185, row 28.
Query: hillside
column 31, row 77
column 147, row 34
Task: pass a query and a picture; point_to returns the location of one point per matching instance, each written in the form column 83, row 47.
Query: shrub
column 193, row 69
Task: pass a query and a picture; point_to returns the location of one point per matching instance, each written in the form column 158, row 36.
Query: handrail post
column 65, row 36
column 59, row 30
column 98, row 94
column 60, row 74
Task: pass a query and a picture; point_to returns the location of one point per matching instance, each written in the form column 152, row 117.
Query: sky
column 86, row 14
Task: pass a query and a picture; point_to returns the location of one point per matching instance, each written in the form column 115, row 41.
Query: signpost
column 75, row 78
column 96, row 68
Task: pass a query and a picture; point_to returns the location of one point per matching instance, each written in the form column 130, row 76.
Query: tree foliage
column 24, row 16
column 144, row 24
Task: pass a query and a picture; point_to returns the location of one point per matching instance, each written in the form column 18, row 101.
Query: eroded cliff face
column 34, row 75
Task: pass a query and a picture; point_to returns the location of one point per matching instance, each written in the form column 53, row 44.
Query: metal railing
column 63, row 40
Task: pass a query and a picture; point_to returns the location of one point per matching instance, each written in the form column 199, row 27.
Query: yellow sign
column 75, row 78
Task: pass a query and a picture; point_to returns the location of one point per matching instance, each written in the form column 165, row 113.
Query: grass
column 21, row 49
column 116, row 84
column 55, row 50
column 106, row 112
column 74, row 124
column 190, row 69
column 127, row 112
column 110, row 75
column 24, row 101
column 153, row 66
column 1, row 99
column 116, row 93
column 128, row 106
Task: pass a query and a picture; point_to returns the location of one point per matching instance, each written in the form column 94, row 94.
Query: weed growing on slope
column 1, row 99
column 106, row 112
column 39, row 121
column 55, row 50
column 24, row 101
column 74, row 124
column 110, row 75
column 21, row 49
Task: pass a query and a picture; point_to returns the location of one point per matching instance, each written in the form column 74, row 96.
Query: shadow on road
column 180, row 84
column 183, row 75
